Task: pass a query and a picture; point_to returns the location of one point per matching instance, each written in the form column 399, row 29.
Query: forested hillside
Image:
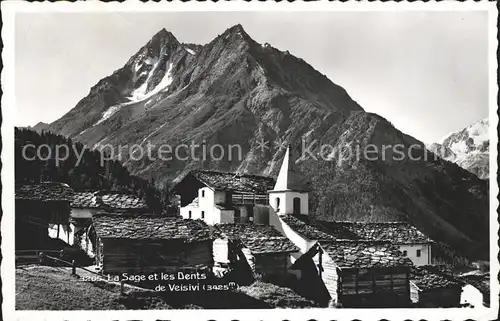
column 36, row 161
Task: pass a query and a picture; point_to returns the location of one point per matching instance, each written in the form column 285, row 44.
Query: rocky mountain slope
column 39, row 127
column 469, row 148
column 235, row 91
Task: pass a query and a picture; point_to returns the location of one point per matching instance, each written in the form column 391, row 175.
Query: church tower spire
column 291, row 192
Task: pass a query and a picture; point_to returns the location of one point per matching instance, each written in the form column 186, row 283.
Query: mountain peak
column 468, row 147
column 163, row 34
column 237, row 28
column 238, row 31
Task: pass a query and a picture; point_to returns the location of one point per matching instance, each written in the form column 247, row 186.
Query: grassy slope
column 275, row 296
column 53, row 288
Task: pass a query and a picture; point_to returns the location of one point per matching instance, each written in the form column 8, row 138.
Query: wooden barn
column 42, row 214
column 151, row 244
column 355, row 274
column 433, row 288
column 259, row 248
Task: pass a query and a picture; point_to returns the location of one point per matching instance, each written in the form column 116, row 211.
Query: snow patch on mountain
column 83, row 132
column 468, row 148
column 108, row 113
column 165, row 81
column 142, row 93
column 468, row 139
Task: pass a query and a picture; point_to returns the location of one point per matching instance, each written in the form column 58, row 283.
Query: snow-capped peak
column 469, row 148
column 151, row 67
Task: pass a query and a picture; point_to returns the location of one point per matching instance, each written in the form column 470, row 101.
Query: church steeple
column 290, row 178
column 290, row 193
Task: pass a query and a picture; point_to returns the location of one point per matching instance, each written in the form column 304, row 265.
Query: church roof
column 314, row 231
column 259, row 239
column 290, row 177
column 393, row 232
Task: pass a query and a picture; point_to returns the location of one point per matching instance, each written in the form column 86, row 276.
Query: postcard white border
column 10, row 8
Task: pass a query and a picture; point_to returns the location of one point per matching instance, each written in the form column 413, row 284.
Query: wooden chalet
column 42, row 214
column 259, row 248
column 151, row 244
column 222, row 197
column 84, row 204
column 433, row 288
column 355, row 274
column 337, row 267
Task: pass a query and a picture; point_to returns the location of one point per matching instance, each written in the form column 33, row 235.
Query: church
column 338, row 264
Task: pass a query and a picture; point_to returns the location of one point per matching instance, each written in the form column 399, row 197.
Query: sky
column 425, row 71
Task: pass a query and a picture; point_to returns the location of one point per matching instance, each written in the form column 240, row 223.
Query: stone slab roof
column 365, row 254
column 259, row 239
column 108, row 200
column 431, row 277
column 242, row 183
column 84, row 200
column 44, row 192
column 395, row 232
column 151, row 228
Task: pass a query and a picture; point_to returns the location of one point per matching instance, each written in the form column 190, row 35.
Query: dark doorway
column 296, row 205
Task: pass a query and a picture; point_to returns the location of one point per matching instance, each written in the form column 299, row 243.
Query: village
column 238, row 228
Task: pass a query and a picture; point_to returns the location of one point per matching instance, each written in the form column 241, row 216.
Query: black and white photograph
column 290, row 162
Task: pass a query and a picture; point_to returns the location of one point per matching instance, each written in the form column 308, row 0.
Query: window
column 189, row 214
column 202, row 193
column 277, row 204
column 405, row 253
column 419, row 252
column 202, row 214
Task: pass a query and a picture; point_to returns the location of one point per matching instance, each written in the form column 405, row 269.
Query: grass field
column 53, row 288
